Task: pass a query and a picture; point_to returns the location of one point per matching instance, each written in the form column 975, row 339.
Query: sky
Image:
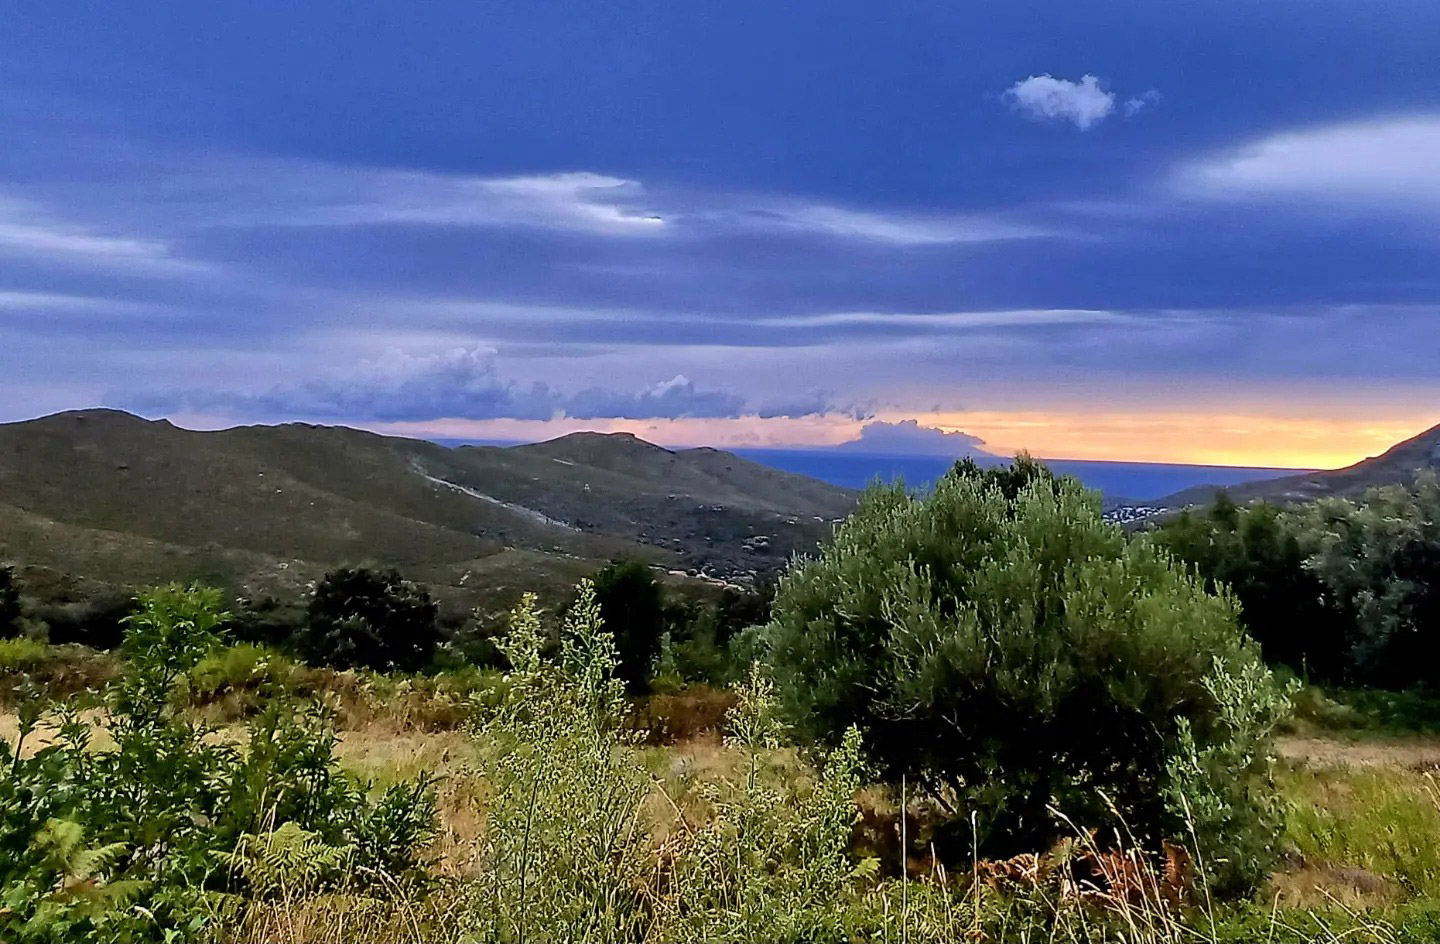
column 1196, row 231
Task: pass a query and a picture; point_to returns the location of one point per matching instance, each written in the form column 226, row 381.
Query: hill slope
column 1396, row 465
column 264, row 509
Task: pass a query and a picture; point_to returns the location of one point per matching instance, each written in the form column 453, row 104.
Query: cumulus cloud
column 1046, row 98
column 461, row 383
column 1394, row 160
column 909, row 438
column 674, row 398
column 814, row 402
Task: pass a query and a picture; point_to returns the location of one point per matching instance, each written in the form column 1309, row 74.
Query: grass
column 21, row 655
column 1365, row 836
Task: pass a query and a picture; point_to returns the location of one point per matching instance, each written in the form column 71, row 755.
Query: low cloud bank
column 465, row 383
column 909, row 438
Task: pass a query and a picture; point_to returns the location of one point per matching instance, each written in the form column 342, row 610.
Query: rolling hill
column 264, row 510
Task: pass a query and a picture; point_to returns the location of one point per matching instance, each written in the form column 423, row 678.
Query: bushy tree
column 1379, row 561
column 9, row 604
column 1345, row 592
column 999, row 644
column 1256, row 552
column 370, row 619
column 632, row 605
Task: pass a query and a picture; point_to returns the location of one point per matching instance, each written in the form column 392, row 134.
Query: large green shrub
column 369, row 619
column 999, row 644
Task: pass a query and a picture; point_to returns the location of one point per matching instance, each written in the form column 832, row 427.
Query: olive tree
column 1014, row 655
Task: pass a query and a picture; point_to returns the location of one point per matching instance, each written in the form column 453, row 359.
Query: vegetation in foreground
column 878, row 777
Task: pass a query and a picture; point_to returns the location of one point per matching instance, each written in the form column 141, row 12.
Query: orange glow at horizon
column 1233, row 439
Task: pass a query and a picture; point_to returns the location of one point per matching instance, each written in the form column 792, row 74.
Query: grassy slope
column 265, row 509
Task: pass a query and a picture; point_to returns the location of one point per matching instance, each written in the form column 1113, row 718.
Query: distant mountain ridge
column 264, row 510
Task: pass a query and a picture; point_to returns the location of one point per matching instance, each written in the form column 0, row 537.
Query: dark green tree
column 9, row 604
column 632, row 604
column 1285, row 606
column 1000, row 645
column 361, row 618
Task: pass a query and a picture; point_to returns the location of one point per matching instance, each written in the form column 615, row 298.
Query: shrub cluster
column 1340, row 591
column 663, row 641
column 145, row 841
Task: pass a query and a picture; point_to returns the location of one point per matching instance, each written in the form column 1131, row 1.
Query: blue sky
column 1194, row 231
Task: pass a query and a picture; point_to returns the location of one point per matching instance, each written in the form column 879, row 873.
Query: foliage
column 569, row 848
column 700, row 642
column 378, row 620
column 21, row 654
column 768, row 863
column 9, row 604
column 1380, row 562
column 632, row 604
column 1233, row 818
column 1357, row 712
column 1256, row 552
column 254, row 674
column 999, row 644
column 96, row 621
column 132, row 843
column 1342, row 592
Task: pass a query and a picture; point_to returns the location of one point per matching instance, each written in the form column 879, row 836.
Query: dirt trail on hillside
column 1413, row 753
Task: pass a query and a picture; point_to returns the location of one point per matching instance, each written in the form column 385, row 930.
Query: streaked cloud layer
column 739, row 224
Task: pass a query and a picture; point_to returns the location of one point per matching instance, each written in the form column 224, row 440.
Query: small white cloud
column 1389, row 161
column 1134, row 106
column 1046, row 98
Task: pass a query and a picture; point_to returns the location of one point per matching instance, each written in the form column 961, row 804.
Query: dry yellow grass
column 1409, row 752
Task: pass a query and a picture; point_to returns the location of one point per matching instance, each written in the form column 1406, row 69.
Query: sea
column 1131, row 481
column 1127, row 482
